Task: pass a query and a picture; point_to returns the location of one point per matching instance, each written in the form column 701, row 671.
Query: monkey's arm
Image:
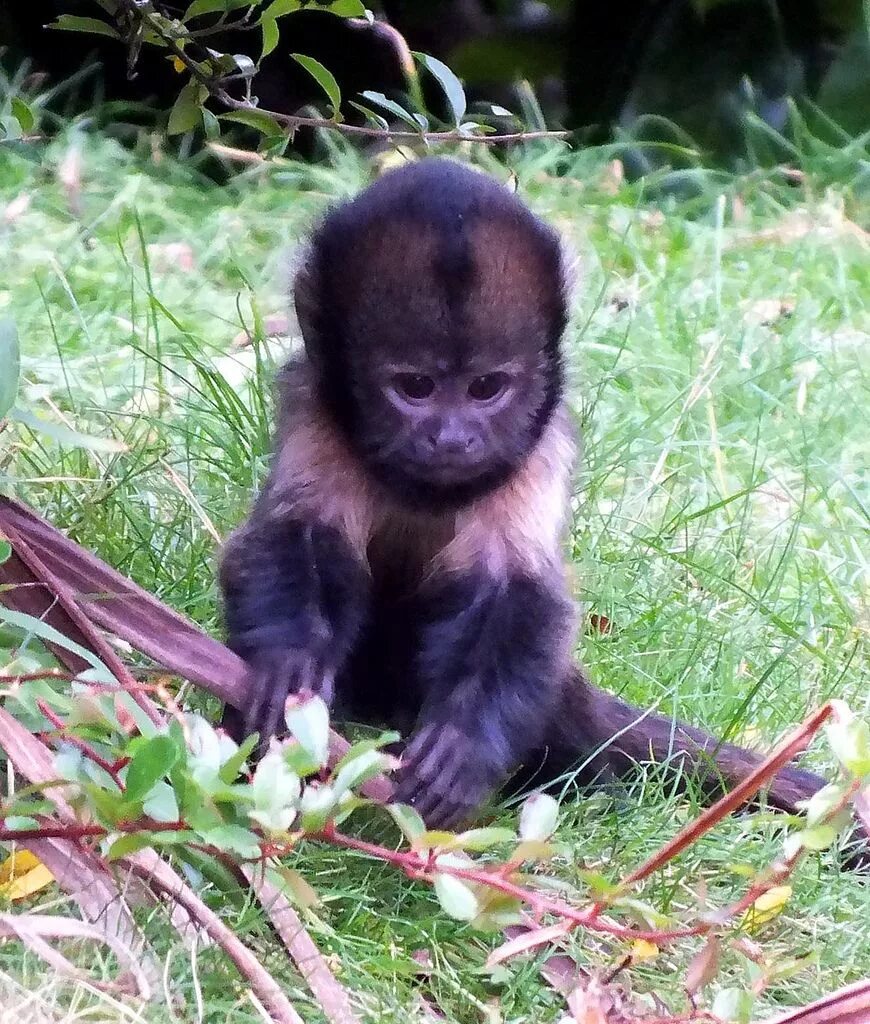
column 294, row 597
column 492, row 662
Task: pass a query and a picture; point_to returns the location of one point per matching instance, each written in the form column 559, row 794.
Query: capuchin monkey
column 404, row 560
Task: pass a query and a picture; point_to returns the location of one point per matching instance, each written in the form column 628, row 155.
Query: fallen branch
column 331, row 995
column 849, row 1005
column 34, row 929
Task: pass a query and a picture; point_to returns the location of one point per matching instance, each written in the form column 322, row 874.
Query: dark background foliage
column 723, row 74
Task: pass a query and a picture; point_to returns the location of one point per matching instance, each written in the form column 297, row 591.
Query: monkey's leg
column 294, row 600
column 492, row 664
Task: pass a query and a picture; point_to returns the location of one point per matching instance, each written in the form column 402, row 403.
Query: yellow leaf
column 768, row 905
column 178, row 64
column 23, row 874
column 16, row 864
column 641, row 949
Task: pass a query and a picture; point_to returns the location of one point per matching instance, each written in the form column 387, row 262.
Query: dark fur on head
column 435, row 268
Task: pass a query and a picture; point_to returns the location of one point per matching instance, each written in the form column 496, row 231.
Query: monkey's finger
column 439, row 787
column 273, row 714
column 253, row 714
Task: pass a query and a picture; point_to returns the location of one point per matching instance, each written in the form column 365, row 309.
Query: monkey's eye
column 414, row 385
column 487, row 387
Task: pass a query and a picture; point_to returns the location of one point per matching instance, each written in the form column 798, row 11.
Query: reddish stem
column 80, row 744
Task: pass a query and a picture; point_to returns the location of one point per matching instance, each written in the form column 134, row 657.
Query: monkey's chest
column 402, row 550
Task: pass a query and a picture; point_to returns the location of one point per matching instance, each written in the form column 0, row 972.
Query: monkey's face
column 447, row 432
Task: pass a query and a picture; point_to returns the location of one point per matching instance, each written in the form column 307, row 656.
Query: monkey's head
column 432, row 308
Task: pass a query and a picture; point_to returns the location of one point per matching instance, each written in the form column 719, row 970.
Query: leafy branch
column 212, row 73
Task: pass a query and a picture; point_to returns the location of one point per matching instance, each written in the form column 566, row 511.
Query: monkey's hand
column 273, row 676
column 445, row 775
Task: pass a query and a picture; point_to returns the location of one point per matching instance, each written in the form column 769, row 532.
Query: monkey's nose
column 452, row 441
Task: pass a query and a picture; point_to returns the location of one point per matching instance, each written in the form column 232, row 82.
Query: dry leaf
column 642, row 949
column 704, row 966
column 612, row 178
column 764, row 312
column 273, row 327
column 171, row 256
column 17, row 208
column 595, row 1003
column 22, row 874
column 768, row 906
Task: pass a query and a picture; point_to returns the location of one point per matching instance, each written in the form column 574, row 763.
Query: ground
column 718, row 360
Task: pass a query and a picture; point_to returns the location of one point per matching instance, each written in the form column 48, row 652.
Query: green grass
column 720, row 521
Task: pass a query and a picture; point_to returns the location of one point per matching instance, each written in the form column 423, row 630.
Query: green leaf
column 456, row 897
column 819, row 837
column 733, row 1004
column 341, row 8
column 64, row 435
column 200, row 7
column 374, row 743
column 23, row 115
column 161, row 804
column 5, row 550
column 73, row 23
column 278, row 8
column 258, row 119
column 230, row 768
column 105, row 802
column 271, row 35
column 132, row 842
column 538, row 817
column 186, row 113
column 408, row 820
column 485, row 838
column 849, row 738
column 10, row 366
column 296, row 887
column 372, row 117
column 392, row 107
column 10, row 128
column 315, row 807
column 150, row 763
column 599, row 886
column 298, row 760
column 366, row 765
column 324, row 78
column 308, row 720
column 449, row 83
column 18, row 822
column 347, row 8
column 211, row 125
column 823, row 803
column 233, row 839
column 41, row 629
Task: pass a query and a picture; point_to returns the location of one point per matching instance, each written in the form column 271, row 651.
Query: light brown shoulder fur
column 520, row 526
